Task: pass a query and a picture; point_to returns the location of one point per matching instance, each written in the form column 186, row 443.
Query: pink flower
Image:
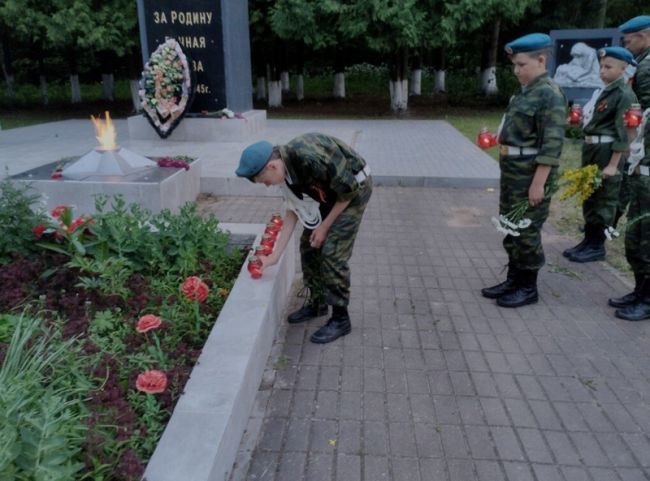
column 147, row 323
column 195, row 289
column 151, row 382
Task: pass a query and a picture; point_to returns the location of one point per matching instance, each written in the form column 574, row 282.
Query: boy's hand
column 609, row 171
column 268, row 261
column 318, row 236
column 535, row 194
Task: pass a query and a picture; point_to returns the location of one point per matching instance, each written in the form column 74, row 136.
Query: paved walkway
column 436, row 383
column 408, row 152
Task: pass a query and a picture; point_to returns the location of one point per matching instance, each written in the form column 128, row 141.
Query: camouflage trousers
column 325, row 270
column 600, row 208
column 637, row 236
column 525, row 251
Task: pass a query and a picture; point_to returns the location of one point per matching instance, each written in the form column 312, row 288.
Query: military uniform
column 536, row 118
column 636, row 305
column 324, row 168
column 604, row 134
column 337, row 178
column 531, row 134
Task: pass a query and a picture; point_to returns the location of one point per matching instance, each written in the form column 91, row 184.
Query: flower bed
column 121, row 304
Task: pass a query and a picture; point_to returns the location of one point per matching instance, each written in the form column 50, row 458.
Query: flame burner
column 108, row 159
column 119, row 162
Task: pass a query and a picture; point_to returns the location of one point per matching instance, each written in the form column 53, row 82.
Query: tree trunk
column 489, row 72
column 7, row 68
column 398, row 85
column 43, row 83
column 286, row 84
column 134, row 87
column 300, row 80
column 339, row 75
column 135, row 67
column 601, row 13
column 416, row 76
column 440, row 72
column 260, row 92
column 75, row 88
column 108, row 86
column 275, row 93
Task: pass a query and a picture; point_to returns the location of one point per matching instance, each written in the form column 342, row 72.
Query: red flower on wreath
column 151, row 382
column 147, row 323
column 195, row 289
column 38, row 230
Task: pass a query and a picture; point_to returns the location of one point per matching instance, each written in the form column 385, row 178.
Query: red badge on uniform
column 602, row 105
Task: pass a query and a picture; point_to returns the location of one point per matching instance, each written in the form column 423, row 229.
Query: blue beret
column 254, row 158
column 635, row 24
column 528, row 43
column 619, row 53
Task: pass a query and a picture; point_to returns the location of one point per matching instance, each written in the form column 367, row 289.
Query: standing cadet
column 337, row 178
column 605, row 141
column 636, row 38
column 635, row 306
column 531, row 140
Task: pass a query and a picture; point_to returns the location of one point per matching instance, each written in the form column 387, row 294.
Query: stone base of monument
column 203, row 129
column 154, row 188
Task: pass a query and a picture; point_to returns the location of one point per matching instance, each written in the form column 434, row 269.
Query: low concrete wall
column 201, row 439
column 198, row 129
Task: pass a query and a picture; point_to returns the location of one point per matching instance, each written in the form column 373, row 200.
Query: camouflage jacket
column 610, row 107
column 536, row 117
column 641, row 87
column 322, row 167
column 641, row 79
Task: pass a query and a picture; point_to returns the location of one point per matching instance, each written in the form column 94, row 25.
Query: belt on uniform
column 599, row 139
column 642, row 170
column 362, row 175
column 511, row 150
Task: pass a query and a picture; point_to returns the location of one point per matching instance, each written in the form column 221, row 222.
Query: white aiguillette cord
column 307, row 210
column 637, row 149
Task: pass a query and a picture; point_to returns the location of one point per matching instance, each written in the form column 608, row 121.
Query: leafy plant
column 42, row 416
column 19, row 213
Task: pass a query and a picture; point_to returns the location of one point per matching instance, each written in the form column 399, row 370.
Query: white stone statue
column 582, row 70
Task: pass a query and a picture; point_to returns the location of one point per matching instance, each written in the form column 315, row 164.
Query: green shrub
column 19, row 213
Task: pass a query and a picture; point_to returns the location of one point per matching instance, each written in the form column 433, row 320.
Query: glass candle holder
column 255, row 267
column 633, row 116
column 276, row 218
column 575, row 114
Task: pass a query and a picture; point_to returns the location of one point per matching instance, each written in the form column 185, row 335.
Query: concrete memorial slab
column 574, row 62
column 214, row 36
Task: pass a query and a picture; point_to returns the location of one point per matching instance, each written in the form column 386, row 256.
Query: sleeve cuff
column 619, row 146
column 547, row 160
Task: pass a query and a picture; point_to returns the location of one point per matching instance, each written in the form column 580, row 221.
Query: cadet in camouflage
column 334, row 175
column 635, row 306
column 531, row 139
column 636, row 38
column 606, row 138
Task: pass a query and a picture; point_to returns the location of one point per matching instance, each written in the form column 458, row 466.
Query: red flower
column 38, row 230
column 151, row 382
column 58, row 211
column 195, row 289
column 76, row 223
column 147, row 323
column 57, row 174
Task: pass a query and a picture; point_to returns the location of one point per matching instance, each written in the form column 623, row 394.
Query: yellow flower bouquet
column 581, row 183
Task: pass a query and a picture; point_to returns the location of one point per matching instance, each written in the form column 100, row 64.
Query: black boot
column 640, row 310
column 572, row 250
column 628, row 299
column 503, row 288
column 311, row 308
column 525, row 291
column 594, row 248
column 337, row 326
